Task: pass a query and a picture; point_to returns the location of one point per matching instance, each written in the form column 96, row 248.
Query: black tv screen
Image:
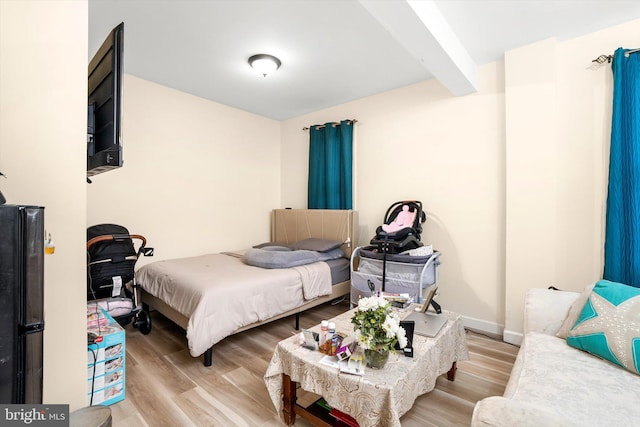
column 104, row 144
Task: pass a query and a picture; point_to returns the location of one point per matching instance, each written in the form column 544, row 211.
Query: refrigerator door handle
column 32, row 328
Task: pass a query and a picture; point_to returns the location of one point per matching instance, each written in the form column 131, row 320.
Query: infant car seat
column 401, row 229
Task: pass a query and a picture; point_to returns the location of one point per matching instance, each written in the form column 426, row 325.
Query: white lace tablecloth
column 380, row 397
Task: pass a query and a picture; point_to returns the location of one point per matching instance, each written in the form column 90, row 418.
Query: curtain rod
column 608, row 58
column 334, row 124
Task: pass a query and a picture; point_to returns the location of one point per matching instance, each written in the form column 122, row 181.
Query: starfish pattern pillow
column 609, row 325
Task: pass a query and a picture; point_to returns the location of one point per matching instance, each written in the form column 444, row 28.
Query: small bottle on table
column 324, row 330
column 330, row 346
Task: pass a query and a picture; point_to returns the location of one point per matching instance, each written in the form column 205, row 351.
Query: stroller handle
column 107, row 237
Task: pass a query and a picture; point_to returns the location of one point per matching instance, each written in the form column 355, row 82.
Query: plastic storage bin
column 105, row 360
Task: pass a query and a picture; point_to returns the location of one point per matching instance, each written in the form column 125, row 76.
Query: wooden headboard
column 291, row 225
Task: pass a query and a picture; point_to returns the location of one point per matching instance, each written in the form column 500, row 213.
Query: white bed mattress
column 220, row 294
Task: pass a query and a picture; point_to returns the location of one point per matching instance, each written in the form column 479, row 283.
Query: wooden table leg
column 289, row 400
column 451, row 374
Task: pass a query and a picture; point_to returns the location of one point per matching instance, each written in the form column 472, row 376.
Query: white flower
column 383, row 302
column 402, row 337
column 366, row 304
column 391, row 326
column 364, row 340
column 372, row 303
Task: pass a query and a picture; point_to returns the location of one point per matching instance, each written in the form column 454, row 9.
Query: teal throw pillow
column 609, row 325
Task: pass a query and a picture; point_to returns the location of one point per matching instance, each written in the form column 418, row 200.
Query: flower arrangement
column 376, row 326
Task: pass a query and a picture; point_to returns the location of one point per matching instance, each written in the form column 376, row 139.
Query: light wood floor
column 165, row 386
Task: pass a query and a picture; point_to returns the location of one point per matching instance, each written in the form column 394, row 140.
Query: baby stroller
column 401, row 229
column 111, row 283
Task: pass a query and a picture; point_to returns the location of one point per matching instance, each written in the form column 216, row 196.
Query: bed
column 216, row 295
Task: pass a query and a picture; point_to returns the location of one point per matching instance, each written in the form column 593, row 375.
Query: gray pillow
column 268, row 258
column 315, row 244
column 267, row 244
column 276, row 249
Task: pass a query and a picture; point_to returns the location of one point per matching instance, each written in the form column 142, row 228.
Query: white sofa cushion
column 546, row 309
column 572, row 384
column 499, row 411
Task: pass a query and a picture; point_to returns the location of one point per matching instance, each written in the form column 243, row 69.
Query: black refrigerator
column 21, row 303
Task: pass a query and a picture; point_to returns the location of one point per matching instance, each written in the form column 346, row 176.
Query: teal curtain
column 622, row 235
column 330, row 165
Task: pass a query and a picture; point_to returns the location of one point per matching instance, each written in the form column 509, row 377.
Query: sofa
column 555, row 384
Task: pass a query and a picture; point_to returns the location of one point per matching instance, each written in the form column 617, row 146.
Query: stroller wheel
column 143, row 322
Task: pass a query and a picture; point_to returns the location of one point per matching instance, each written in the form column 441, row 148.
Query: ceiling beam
column 422, row 30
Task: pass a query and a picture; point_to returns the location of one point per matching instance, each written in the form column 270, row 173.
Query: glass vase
column 376, row 358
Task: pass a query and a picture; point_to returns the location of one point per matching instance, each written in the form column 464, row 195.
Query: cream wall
column 531, row 175
column 513, row 178
column 198, row 176
column 419, row 142
column 558, row 111
column 43, row 119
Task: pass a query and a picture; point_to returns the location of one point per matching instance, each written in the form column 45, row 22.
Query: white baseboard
column 511, row 337
column 492, row 329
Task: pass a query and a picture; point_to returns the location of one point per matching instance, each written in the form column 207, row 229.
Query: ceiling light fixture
column 264, row 64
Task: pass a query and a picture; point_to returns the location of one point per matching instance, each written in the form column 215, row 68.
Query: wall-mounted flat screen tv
column 104, row 144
